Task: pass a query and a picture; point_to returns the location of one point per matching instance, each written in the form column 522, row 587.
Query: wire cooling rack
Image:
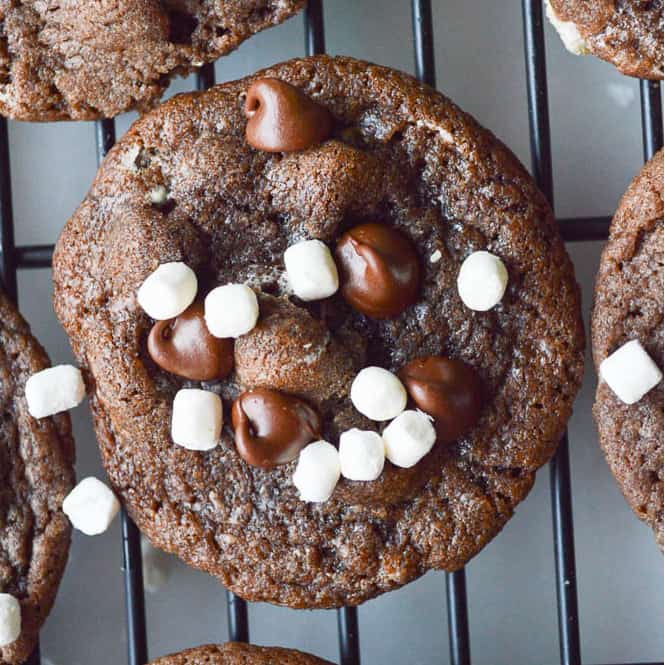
column 13, row 258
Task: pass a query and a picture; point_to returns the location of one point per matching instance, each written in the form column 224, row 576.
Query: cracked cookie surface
column 401, row 154
column 36, row 473
column 235, row 653
column 629, row 305
column 85, row 60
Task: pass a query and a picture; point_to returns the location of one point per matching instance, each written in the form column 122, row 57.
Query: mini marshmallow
column 168, row 291
column 361, row 454
column 54, row 390
column 568, row 31
column 317, row 471
column 197, row 419
column 91, row 506
column 409, row 438
column 482, row 281
column 231, row 310
column 311, row 270
column 630, row 372
column 10, row 619
column 378, row 393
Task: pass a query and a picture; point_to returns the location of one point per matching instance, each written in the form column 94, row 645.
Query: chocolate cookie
column 627, row 33
column 340, row 265
column 85, row 60
column 629, row 308
column 36, row 468
column 235, row 653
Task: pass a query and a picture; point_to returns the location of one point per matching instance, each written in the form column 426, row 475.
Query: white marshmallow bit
column 197, row 419
column 168, row 291
column 409, row 438
column 568, row 31
column 91, row 506
column 53, row 390
column 317, row 472
column 231, row 310
column 630, row 372
column 361, row 454
column 378, row 393
column 10, row 619
column 482, row 281
column 311, row 270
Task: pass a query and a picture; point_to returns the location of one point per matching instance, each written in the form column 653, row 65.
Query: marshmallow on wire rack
column 409, row 438
column 378, row 394
column 630, row 372
column 196, row 423
column 91, row 506
column 168, row 291
column 10, row 619
column 311, row 270
column 361, row 454
column 482, row 281
column 53, row 390
column 317, row 472
column 231, row 310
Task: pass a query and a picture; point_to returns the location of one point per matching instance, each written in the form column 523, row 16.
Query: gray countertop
column 597, row 148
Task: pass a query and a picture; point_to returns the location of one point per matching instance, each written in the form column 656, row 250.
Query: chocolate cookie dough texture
column 627, row 339
column 81, row 60
column 334, row 353
column 627, row 33
column 37, row 472
column 235, row 653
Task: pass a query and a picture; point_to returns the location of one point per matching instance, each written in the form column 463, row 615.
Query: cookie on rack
column 75, row 60
column 629, row 34
column 236, row 653
column 36, row 464
column 627, row 338
column 332, row 327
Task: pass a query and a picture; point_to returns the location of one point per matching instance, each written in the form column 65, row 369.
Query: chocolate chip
column 281, row 118
column 448, row 390
column 185, row 347
column 271, row 427
column 380, row 270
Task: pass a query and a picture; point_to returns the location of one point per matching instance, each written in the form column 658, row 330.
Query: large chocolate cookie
column 36, row 473
column 627, row 33
column 629, row 306
column 399, row 160
column 81, row 60
column 235, row 653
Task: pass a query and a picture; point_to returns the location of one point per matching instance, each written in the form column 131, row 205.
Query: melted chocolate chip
column 185, row 347
column 281, row 118
column 271, row 427
column 448, row 390
column 380, row 270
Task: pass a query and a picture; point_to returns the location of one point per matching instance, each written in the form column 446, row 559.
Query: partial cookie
column 85, row 60
column 628, row 33
column 326, row 208
column 628, row 319
column 235, row 653
column 36, row 469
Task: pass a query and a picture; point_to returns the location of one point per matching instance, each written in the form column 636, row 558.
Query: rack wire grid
column 13, row 258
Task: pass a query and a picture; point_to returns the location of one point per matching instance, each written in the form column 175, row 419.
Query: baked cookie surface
column 36, row 467
column 185, row 185
column 627, row 33
column 235, row 653
column 629, row 306
column 84, row 60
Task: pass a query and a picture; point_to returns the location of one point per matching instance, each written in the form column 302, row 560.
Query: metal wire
column 456, row 598
column 562, row 511
column 652, row 118
column 7, row 255
column 132, row 565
